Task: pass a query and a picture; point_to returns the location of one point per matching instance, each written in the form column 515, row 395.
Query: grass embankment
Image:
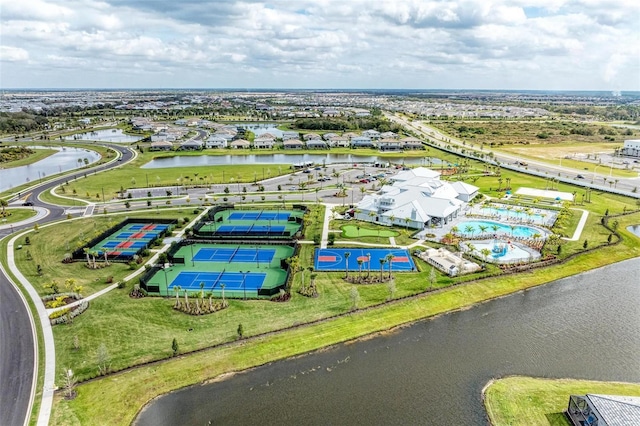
column 532, row 401
column 16, row 214
column 38, row 154
column 120, row 322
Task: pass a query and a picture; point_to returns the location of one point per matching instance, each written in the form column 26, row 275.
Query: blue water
column 517, row 231
column 517, row 214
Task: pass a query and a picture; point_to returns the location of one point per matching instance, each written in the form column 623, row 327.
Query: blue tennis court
column 212, row 280
column 335, row 259
column 250, row 229
column 263, row 215
column 234, row 255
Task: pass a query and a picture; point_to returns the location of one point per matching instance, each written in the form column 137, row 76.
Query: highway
column 596, row 181
column 17, row 345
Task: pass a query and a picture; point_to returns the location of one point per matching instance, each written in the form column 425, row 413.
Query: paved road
column 598, row 181
column 17, row 346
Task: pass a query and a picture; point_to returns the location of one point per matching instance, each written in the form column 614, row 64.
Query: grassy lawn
column 119, row 397
column 533, row 401
column 39, row 154
column 131, row 175
column 354, row 231
column 16, row 214
column 49, row 244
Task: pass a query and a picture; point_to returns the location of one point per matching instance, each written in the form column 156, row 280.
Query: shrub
column 109, row 279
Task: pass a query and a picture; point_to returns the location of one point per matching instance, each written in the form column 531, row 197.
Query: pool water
column 505, row 252
column 474, row 228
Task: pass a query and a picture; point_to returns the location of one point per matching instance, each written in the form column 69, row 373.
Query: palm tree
column 483, row 228
column 485, row 253
column 469, row 230
column 382, row 261
column 455, row 230
column 346, row 265
column 202, row 290
column 495, row 228
column 368, row 265
column 390, row 260
column 392, row 218
column 4, row 204
column 177, row 289
column 360, row 262
column 222, row 286
column 86, row 252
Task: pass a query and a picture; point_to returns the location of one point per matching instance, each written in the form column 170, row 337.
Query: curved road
column 17, row 346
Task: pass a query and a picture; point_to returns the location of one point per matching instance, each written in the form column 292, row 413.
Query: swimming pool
column 503, row 251
column 500, row 211
column 472, row 228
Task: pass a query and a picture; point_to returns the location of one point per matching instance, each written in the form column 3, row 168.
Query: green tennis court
column 234, row 223
column 247, row 271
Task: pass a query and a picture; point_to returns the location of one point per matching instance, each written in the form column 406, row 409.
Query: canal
column 433, row 372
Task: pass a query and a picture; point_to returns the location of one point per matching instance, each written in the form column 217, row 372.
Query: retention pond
column 433, row 371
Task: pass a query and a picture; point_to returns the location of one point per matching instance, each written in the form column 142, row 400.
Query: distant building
column 192, row 145
column 631, row 148
column 240, row 144
column 292, row 144
column 161, row 146
column 215, row 141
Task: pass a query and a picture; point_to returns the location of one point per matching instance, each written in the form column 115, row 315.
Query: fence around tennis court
column 213, row 225
column 125, row 255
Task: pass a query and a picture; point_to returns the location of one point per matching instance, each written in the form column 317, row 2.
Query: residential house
column 317, row 144
column 329, row 135
column 390, row 145
column 191, row 145
column 339, row 141
column 310, row 136
column 371, row 134
column 161, row 146
column 361, row 142
column 216, row 142
column 388, row 135
column 240, row 144
column 292, row 144
column 290, row 135
column 330, row 112
column 412, row 143
column 264, row 143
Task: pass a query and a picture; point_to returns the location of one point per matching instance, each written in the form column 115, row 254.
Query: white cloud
column 13, row 54
column 324, row 43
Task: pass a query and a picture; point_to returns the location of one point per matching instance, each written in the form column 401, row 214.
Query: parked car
column 580, row 177
column 27, row 203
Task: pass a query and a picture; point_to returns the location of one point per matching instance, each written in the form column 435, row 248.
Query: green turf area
column 16, row 214
column 354, row 231
column 49, row 244
column 275, row 276
column 531, row 401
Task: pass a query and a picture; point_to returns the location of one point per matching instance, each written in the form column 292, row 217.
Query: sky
column 321, row 44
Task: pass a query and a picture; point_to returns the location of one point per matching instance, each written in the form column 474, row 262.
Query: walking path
column 328, row 215
column 580, row 227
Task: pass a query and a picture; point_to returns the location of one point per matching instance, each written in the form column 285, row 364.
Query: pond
column 634, row 229
column 67, row 158
column 433, row 372
column 108, row 135
column 218, row 160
